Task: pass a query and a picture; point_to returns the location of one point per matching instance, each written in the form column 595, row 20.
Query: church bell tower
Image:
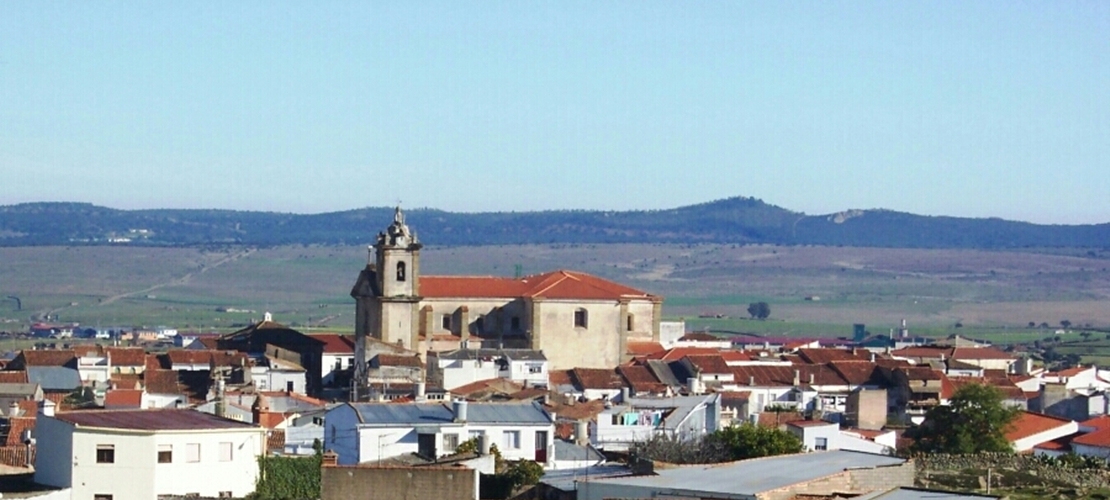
column 387, row 294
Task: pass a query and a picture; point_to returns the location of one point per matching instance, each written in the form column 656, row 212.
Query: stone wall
column 935, row 467
column 389, row 483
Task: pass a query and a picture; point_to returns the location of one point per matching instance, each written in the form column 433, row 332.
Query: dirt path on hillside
column 181, row 280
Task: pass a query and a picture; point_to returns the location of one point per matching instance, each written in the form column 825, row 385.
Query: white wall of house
column 267, row 379
column 1027, row 443
column 459, row 372
column 331, row 363
column 359, row 443
column 852, row 442
column 818, row 437
column 1091, row 451
column 70, row 460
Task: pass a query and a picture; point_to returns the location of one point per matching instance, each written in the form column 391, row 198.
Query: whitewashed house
column 370, row 432
column 638, row 419
column 464, row 366
column 143, row 454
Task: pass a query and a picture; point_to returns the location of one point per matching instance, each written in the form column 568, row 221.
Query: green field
column 992, row 295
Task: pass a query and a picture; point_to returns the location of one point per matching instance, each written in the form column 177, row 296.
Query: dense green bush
column 288, row 478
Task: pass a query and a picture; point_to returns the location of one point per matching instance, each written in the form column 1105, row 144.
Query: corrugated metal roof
column 438, row 413
column 54, row 378
column 18, row 389
column 149, row 420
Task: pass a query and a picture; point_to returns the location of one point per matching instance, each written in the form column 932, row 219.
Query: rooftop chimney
column 582, row 433
column 872, row 357
column 13, row 410
column 751, row 380
column 797, row 378
column 420, row 392
column 810, row 379
column 46, row 407
column 267, row 316
column 460, row 410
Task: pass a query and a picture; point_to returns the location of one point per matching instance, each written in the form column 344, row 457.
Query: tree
column 751, row 441
column 1065, row 323
column 975, row 420
column 759, row 310
column 524, row 473
column 1032, row 324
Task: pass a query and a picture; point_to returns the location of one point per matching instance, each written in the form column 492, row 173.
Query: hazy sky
column 961, row 108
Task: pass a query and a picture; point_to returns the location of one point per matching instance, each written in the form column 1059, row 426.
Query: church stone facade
column 576, row 319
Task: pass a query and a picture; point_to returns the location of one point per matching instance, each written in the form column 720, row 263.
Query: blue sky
column 956, row 108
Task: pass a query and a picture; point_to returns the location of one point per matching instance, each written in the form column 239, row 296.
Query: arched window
column 400, row 271
column 581, row 318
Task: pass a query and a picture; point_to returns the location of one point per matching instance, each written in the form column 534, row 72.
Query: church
column 576, row 319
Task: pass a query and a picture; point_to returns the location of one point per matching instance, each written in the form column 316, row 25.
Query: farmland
column 812, row 290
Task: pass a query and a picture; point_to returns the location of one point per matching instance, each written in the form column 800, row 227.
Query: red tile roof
column 576, row 411
column 808, row 423
column 855, row 372
column 559, row 377
column 553, row 285
column 1100, row 422
column 822, row 356
column 644, row 348
column 709, row 364
column 782, row 376
column 203, row 357
column 13, row 377
column 126, row 381
column 275, row 440
column 336, row 344
column 1028, row 424
column 48, row 357
column 395, row 360
column 596, row 378
column 640, row 379
column 1099, row 438
column 16, row 456
column 18, row 426
column 677, row 353
column 123, row 398
column 487, row 387
column 126, row 356
column 149, row 420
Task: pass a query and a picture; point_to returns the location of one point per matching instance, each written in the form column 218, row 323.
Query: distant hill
column 733, row 220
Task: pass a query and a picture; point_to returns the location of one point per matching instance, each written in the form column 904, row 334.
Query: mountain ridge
column 738, row 220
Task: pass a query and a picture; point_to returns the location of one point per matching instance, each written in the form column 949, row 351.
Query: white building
column 141, row 454
column 464, row 366
column 370, row 432
column 638, row 419
column 818, row 435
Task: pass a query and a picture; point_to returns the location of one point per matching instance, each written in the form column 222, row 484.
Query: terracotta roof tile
column 677, row 353
column 553, row 285
column 822, row 356
column 203, row 357
column 559, row 377
column 783, row 376
column 395, row 360
column 576, row 411
column 777, row 419
column 644, row 348
column 13, row 377
column 709, row 364
column 275, row 440
column 1099, row 438
column 855, row 372
column 1097, row 423
column 640, row 379
column 18, row 426
column 1029, row 424
column 735, row 398
column 126, row 356
column 336, row 344
column 596, row 378
column 126, row 381
column 48, row 357
column 16, row 456
column 123, row 398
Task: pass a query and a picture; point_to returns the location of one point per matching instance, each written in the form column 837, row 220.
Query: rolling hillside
column 734, row 220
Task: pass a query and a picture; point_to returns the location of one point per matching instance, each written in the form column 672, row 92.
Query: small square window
column 581, row 318
column 450, row 442
column 165, row 454
column 511, row 440
column 105, row 454
column 192, row 452
column 225, row 451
